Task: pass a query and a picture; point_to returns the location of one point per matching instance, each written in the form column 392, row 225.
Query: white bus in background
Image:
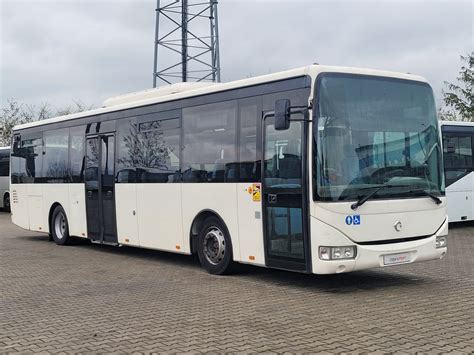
column 318, row 170
column 4, row 178
column 458, row 150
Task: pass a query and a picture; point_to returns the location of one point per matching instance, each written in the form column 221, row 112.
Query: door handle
column 89, row 193
column 109, row 194
column 272, row 198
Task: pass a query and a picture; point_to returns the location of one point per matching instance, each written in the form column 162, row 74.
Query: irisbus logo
column 353, row 220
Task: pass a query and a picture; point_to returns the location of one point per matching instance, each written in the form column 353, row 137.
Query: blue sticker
column 356, row 219
column 353, row 220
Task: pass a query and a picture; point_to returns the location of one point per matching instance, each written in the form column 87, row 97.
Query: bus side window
column 55, row 160
column 249, row 118
column 30, row 154
column 209, row 142
column 76, row 154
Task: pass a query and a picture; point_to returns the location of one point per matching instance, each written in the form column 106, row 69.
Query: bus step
column 104, row 243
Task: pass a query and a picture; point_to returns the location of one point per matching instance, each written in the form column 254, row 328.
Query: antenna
column 186, row 41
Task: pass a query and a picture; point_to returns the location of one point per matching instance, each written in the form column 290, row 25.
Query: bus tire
column 215, row 247
column 60, row 226
column 6, row 202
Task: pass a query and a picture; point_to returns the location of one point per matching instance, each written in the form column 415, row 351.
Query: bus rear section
column 5, row 178
column 458, row 146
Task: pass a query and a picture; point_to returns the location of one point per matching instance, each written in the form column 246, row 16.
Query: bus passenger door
column 100, row 189
column 283, row 201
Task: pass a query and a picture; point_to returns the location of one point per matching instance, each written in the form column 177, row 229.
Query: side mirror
column 282, row 114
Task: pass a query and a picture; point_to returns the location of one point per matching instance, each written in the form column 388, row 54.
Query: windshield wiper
column 435, row 198
column 365, row 198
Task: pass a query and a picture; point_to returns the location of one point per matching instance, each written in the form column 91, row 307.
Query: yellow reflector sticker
column 256, row 192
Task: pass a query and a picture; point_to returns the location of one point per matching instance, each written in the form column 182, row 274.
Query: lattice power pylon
column 186, row 41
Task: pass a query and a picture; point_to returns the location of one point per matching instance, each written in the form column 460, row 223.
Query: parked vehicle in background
column 318, row 170
column 5, row 178
column 458, row 151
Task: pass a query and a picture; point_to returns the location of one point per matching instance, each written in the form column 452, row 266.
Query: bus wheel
column 6, row 202
column 59, row 226
column 214, row 247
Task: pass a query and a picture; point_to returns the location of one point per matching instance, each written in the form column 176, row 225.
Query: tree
column 12, row 114
column 15, row 113
column 459, row 97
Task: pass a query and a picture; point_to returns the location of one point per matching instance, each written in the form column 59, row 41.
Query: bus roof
column 186, row 90
column 457, row 123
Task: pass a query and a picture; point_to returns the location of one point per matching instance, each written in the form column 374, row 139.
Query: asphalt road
column 91, row 298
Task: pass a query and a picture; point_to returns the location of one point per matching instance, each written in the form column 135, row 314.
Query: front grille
column 393, row 241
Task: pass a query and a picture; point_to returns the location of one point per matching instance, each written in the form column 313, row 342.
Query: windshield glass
column 373, row 130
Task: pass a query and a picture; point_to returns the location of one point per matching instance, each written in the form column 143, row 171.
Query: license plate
column 396, row 258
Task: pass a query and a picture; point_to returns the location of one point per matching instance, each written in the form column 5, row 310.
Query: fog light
column 324, row 253
column 442, row 242
column 337, row 253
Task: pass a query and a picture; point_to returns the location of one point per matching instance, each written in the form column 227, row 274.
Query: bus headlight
column 442, row 242
column 337, row 253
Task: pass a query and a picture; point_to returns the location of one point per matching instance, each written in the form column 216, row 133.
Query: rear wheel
column 60, row 227
column 214, row 247
column 6, row 202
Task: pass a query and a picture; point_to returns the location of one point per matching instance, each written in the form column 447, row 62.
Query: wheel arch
column 4, row 197
column 50, row 214
column 195, row 226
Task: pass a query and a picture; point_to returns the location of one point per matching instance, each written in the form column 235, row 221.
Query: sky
column 89, row 50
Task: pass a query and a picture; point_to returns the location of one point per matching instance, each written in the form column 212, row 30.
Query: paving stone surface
column 91, row 298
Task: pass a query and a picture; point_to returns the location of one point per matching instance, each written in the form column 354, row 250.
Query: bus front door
column 283, row 196
column 100, row 189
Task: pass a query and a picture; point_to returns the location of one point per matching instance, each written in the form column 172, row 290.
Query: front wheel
column 214, row 247
column 60, row 227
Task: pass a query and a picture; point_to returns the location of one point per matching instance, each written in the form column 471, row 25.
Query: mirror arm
column 300, row 109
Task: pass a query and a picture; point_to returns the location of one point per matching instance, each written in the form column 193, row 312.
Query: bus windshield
column 374, row 130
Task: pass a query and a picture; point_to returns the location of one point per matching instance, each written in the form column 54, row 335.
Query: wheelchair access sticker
column 353, row 220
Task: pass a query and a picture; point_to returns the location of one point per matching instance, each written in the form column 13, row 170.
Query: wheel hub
column 214, row 246
column 60, row 225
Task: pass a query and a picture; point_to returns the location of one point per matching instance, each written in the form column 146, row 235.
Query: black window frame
column 457, row 131
column 106, row 122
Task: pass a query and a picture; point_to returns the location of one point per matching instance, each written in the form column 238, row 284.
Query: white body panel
column 378, row 217
column 77, row 210
column 159, row 217
column 126, row 209
column 461, row 199
column 19, row 205
column 250, row 226
column 38, row 219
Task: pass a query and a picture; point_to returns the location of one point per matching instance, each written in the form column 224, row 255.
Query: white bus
column 351, row 175
column 458, row 150
column 4, row 178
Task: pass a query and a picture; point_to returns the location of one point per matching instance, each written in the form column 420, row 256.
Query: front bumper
column 372, row 256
